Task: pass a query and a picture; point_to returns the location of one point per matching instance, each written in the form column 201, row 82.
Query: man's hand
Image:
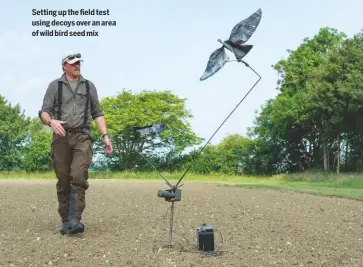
column 57, row 127
column 108, row 145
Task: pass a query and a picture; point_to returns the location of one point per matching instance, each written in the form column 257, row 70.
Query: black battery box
column 205, row 238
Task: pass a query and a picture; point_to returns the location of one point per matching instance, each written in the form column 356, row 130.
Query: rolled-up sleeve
column 96, row 110
column 48, row 101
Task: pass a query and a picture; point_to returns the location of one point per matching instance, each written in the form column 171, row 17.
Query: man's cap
column 71, row 58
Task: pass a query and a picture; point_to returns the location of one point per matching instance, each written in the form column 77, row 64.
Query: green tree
column 336, row 95
column 127, row 110
column 287, row 125
column 36, row 155
column 239, row 149
column 230, row 156
column 13, row 130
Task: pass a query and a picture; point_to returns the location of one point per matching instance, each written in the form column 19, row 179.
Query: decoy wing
column 243, row 31
column 216, row 61
column 152, row 128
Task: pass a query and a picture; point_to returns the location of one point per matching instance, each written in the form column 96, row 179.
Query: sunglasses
column 74, row 56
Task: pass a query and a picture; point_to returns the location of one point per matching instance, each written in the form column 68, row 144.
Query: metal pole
column 171, row 224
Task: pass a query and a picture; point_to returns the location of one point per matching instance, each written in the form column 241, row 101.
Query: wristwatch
column 103, row 136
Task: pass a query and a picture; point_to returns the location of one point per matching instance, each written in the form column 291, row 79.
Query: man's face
column 73, row 69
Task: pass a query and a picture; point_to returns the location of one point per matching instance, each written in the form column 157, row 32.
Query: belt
column 77, row 130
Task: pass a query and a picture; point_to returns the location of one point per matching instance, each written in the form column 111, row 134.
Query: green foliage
column 36, row 155
column 127, row 110
column 335, row 91
column 295, row 71
column 290, row 125
column 230, row 156
column 335, row 87
column 13, row 128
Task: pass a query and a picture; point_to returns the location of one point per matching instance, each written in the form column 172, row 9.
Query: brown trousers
column 71, row 157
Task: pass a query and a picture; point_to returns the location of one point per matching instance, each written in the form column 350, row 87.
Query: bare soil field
column 127, row 225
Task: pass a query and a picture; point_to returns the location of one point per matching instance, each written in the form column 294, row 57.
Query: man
column 69, row 105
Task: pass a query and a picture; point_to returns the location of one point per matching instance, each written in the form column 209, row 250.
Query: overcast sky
column 165, row 45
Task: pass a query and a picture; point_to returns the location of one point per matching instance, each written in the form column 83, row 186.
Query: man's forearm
column 45, row 117
column 101, row 124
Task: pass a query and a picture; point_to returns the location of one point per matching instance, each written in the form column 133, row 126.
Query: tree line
column 314, row 123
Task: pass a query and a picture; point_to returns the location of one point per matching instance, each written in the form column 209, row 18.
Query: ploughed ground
column 128, row 225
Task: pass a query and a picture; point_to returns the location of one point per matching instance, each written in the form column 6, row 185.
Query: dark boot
column 76, row 227
column 65, row 228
